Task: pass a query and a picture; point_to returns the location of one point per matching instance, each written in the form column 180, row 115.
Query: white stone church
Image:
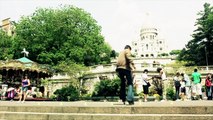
column 150, row 43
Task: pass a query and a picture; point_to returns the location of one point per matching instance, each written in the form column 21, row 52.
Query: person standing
column 164, row 82
column 177, row 85
column 125, row 66
column 187, row 86
column 196, row 85
column 145, row 84
column 212, row 86
column 182, row 89
column 25, row 86
column 208, row 84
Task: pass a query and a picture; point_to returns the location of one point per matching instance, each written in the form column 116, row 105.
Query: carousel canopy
column 25, row 60
column 25, row 64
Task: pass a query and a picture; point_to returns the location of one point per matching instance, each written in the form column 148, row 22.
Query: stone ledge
column 84, row 116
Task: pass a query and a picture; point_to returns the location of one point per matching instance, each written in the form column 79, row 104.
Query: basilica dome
column 148, row 25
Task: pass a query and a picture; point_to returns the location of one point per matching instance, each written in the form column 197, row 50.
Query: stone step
column 87, row 110
column 189, row 107
column 112, row 110
column 89, row 116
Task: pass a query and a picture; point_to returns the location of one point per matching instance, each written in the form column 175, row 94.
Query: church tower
column 150, row 43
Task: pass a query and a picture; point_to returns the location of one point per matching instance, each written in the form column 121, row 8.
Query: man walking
column 125, row 66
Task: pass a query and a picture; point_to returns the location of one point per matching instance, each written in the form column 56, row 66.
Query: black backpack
column 177, row 83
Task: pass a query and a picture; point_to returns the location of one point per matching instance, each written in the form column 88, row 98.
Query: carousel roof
column 25, row 60
column 25, row 64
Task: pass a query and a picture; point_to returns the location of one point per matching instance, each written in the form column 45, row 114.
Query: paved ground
column 109, row 104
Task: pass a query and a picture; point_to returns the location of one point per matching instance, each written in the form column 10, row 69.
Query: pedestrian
column 145, row 84
column 212, row 86
column 25, row 87
column 177, row 85
column 182, row 89
column 164, row 82
column 208, row 85
column 187, row 86
column 125, row 66
column 196, row 85
column 158, row 85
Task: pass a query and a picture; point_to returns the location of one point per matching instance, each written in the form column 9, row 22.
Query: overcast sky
column 121, row 20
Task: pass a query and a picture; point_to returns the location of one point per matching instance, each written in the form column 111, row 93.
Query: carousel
column 13, row 71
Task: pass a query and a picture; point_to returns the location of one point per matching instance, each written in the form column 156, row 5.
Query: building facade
column 150, row 43
column 8, row 26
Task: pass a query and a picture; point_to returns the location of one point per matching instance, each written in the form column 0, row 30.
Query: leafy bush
column 107, row 88
column 68, row 93
column 170, row 93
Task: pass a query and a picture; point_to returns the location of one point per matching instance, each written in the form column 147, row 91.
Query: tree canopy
column 6, row 43
column 65, row 34
column 199, row 50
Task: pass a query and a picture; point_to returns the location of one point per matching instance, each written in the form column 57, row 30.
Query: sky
column 121, row 20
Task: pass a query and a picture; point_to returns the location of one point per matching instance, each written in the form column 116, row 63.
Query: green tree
column 6, row 43
column 64, row 34
column 113, row 54
column 73, row 70
column 175, row 52
column 199, row 50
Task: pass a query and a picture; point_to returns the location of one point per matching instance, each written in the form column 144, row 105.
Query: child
column 182, row 89
column 17, row 91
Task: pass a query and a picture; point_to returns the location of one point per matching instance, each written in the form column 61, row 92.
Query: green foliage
column 73, row 70
column 113, row 54
column 170, row 93
column 65, row 34
column 175, row 52
column 6, row 43
column 107, row 88
column 199, row 50
column 163, row 54
column 68, row 93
